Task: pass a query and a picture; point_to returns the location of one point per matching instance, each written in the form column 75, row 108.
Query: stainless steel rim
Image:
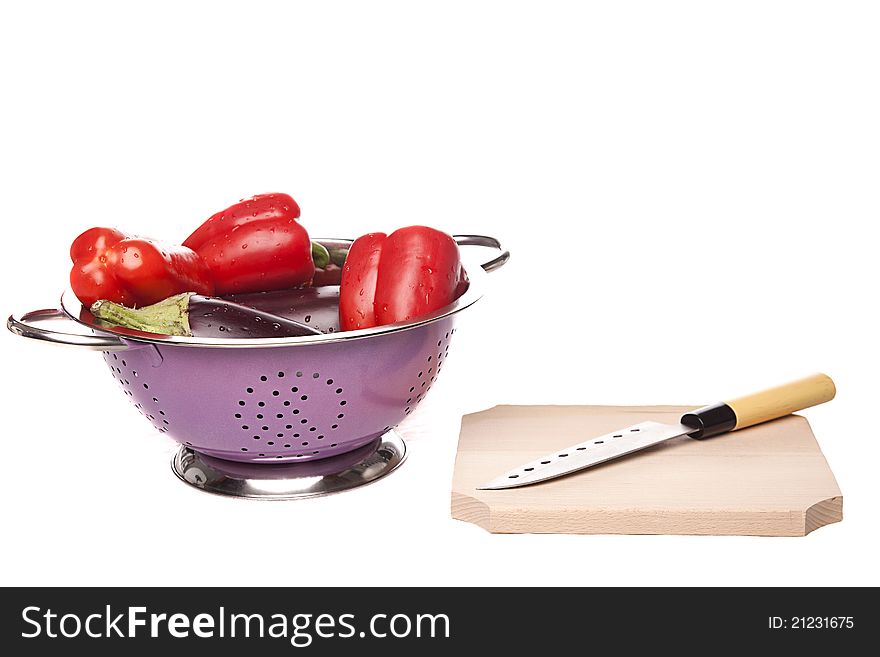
column 108, row 338
column 22, row 325
column 73, row 309
column 195, row 470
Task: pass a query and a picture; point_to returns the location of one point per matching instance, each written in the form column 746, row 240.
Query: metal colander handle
column 489, row 242
column 21, row 325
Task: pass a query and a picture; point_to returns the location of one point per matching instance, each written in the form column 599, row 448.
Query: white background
column 689, row 191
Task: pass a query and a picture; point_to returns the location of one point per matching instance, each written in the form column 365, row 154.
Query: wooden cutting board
column 767, row 480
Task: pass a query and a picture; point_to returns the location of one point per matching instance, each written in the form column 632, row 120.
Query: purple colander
column 274, row 401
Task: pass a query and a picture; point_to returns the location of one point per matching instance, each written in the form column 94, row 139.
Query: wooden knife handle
column 760, row 406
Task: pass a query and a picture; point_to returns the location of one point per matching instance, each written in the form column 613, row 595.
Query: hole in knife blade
column 634, row 429
column 562, row 456
column 528, row 469
column 580, row 449
column 599, row 442
column 544, row 462
column 617, row 435
column 513, row 476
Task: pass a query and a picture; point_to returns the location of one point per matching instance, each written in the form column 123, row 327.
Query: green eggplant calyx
column 167, row 317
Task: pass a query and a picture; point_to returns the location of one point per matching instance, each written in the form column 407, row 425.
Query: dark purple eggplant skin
column 317, row 307
column 213, row 317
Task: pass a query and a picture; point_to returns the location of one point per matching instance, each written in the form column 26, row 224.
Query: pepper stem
column 338, row 256
column 320, row 255
column 167, row 317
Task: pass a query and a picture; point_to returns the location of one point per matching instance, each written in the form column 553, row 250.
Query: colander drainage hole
column 264, row 378
column 250, row 391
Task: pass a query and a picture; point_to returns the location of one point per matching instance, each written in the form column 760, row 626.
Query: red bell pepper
column 411, row 272
column 133, row 271
column 256, row 245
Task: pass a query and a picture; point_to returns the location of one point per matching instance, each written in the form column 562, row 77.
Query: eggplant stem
column 167, row 317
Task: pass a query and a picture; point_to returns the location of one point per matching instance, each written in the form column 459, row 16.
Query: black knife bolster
column 710, row 420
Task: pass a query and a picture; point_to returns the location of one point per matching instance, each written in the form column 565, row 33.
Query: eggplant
column 193, row 315
column 317, row 307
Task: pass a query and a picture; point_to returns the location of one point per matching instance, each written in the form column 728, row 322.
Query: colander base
column 291, row 481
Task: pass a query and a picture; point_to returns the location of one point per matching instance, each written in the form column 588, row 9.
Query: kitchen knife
column 701, row 423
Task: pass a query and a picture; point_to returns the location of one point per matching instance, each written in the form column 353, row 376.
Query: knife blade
column 701, row 423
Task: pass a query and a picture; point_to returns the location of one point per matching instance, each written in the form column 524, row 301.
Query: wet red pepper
column 256, row 245
column 133, row 271
column 411, row 272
